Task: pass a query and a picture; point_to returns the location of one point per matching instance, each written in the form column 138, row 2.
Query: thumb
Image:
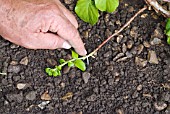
column 50, row 41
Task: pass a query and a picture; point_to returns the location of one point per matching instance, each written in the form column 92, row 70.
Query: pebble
column 156, row 41
column 51, row 62
column 139, row 87
column 13, row 46
column 122, row 59
column 140, row 62
column 128, row 54
column 108, row 54
column 21, row 85
column 160, row 106
column 140, row 48
column 68, row 2
column 119, row 38
column 46, row 96
column 130, row 44
column 133, row 32
column 118, row 56
column 13, row 63
column 31, row 95
column 146, row 44
column 14, row 69
column 86, row 77
column 152, row 58
column 43, row 104
column 66, row 70
column 15, row 97
column 92, row 98
column 85, row 34
column 24, row 61
column 124, row 48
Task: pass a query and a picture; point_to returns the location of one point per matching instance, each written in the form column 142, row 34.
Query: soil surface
column 129, row 75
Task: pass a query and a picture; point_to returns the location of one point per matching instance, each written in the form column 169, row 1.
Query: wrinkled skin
column 39, row 24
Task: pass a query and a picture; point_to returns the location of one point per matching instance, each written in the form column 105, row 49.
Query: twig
column 158, row 8
column 120, row 30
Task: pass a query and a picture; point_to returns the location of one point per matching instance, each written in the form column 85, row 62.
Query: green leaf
column 168, row 40
column 74, row 54
column 47, row 70
column 168, row 32
column 62, row 61
column 59, row 67
column 55, row 73
column 167, row 24
column 70, row 64
column 107, row 5
column 87, row 11
column 80, row 64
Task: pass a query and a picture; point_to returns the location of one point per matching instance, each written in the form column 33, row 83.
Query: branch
column 158, row 8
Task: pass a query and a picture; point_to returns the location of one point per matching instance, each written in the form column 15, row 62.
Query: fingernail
column 66, row 45
column 85, row 52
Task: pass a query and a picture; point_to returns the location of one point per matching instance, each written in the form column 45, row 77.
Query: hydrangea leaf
column 87, row 11
column 107, row 5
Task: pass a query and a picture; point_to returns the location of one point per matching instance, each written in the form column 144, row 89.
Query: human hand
column 39, row 24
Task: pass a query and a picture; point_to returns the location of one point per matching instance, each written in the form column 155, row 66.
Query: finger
column 48, row 41
column 68, row 14
column 68, row 32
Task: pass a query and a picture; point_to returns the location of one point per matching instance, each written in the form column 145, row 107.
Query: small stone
column 152, row 58
column 119, row 38
column 13, row 63
column 51, row 62
column 13, row 46
column 85, row 34
column 108, row 33
column 106, row 18
column 144, row 15
column 46, row 96
column 24, row 61
column 133, row 32
column 118, row 22
column 129, row 55
column 43, row 104
column 122, row 59
column 130, row 9
column 86, row 77
column 15, row 97
column 108, row 54
column 118, row 56
column 66, row 70
column 92, row 98
column 14, row 69
column 21, row 85
column 16, row 78
column 160, row 106
column 62, row 84
column 140, row 62
column 140, row 48
column 146, row 44
column 31, row 95
column 155, row 41
column 139, row 87
column 124, row 48
column 130, row 44
column 68, row 2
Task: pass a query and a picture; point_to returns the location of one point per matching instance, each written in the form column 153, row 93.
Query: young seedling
column 78, row 61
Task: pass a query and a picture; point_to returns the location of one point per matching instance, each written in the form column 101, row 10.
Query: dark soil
column 113, row 87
